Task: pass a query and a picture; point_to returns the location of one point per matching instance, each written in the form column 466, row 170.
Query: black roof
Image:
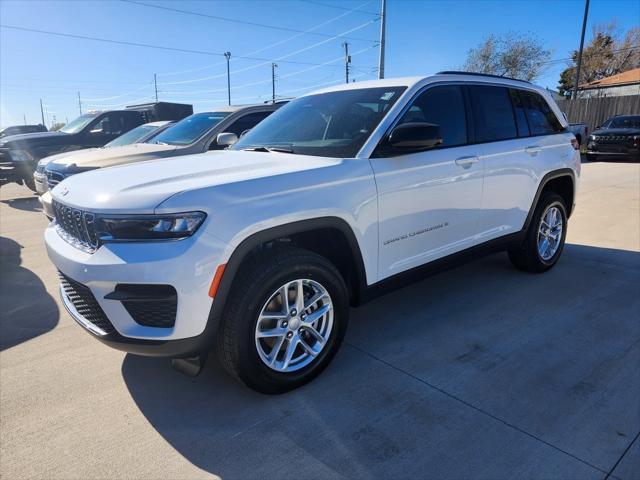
column 477, row 74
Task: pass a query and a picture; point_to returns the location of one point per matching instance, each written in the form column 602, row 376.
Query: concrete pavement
column 480, row 372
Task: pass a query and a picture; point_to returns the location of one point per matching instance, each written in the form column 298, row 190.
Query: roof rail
column 477, row 74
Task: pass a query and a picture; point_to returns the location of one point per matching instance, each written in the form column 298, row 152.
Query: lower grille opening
column 148, row 305
column 85, row 303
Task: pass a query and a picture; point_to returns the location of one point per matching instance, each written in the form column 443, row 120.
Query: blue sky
column 423, row 37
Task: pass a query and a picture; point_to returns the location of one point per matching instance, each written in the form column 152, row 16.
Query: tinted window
column 492, row 113
column 442, row 106
column 111, row 124
column 132, row 136
column 622, row 122
column 333, row 124
column 542, row 120
column 246, row 122
column 521, row 116
column 189, row 129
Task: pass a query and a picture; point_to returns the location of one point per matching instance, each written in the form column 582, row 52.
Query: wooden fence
column 594, row 111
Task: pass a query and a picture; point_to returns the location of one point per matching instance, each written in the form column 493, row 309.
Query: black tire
column 263, row 275
column 30, row 183
column 527, row 257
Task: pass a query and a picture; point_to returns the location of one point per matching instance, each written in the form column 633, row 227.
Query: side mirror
column 226, row 139
column 415, row 137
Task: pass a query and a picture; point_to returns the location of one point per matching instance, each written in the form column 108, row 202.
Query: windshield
column 132, row 136
column 79, row 123
column 333, row 124
column 189, row 129
column 623, row 122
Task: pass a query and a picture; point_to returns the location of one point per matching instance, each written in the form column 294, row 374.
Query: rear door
column 429, row 202
column 518, row 131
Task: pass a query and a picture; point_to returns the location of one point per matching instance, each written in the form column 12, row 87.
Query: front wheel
column 544, row 240
column 284, row 321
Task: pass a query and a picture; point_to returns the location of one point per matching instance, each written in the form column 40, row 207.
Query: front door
column 429, row 202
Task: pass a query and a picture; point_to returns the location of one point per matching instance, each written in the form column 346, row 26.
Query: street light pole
column 584, row 26
column 227, row 55
column 155, row 84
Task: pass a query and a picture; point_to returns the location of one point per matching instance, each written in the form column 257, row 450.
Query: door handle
column 467, row 161
column 533, row 150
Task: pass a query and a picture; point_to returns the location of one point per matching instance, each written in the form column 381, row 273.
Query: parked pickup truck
column 19, row 154
column 337, row 197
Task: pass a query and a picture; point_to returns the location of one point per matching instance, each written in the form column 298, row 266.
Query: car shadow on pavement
column 28, row 204
column 435, row 379
column 23, row 296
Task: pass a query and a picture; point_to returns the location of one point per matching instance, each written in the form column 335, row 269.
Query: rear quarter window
column 542, row 120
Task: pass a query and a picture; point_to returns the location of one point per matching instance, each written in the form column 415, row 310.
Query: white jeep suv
column 333, row 199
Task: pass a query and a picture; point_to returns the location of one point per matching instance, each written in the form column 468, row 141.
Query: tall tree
column 514, row 55
column 609, row 52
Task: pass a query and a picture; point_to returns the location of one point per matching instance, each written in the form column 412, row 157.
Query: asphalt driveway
column 480, row 372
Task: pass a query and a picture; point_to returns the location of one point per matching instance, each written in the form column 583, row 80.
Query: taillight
column 575, row 144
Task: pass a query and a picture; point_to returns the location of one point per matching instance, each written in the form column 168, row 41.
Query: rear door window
column 442, row 106
column 493, row 113
column 247, row 122
column 542, row 120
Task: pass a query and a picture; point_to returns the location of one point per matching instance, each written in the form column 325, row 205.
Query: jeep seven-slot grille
column 611, row 138
column 85, row 303
column 77, row 227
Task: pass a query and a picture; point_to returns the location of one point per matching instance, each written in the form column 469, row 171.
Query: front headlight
column 126, row 228
column 21, row 156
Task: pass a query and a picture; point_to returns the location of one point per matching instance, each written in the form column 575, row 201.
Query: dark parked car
column 617, row 138
column 18, row 129
column 19, row 154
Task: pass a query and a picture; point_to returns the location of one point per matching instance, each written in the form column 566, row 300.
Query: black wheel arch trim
column 562, row 172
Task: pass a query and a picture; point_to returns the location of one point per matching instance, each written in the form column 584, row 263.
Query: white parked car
column 336, row 197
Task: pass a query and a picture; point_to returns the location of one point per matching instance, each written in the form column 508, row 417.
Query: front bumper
column 41, row 183
column 187, row 265
column 622, row 150
column 47, row 204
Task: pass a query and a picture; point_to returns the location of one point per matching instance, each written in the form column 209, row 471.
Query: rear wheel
column 544, row 240
column 284, row 321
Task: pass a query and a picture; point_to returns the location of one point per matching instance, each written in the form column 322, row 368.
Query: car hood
column 12, row 141
column 109, row 157
column 617, row 131
column 59, row 156
column 140, row 187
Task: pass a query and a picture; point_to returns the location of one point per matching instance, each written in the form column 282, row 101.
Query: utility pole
column 25, row 118
column 273, row 81
column 584, row 26
column 383, row 24
column 79, row 103
column 227, row 55
column 155, row 83
column 347, row 61
column 42, row 112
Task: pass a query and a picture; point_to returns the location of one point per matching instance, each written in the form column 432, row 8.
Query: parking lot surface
column 481, row 372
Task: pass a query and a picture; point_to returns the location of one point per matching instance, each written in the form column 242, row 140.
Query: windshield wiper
column 274, row 148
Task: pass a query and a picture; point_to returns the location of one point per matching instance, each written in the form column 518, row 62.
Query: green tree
column 607, row 53
column 514, row 55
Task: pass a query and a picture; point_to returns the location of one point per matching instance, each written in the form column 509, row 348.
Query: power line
column 233, row 20
column 281, row 58
column 273, row 45
column 340, row 7
column 146, row 45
